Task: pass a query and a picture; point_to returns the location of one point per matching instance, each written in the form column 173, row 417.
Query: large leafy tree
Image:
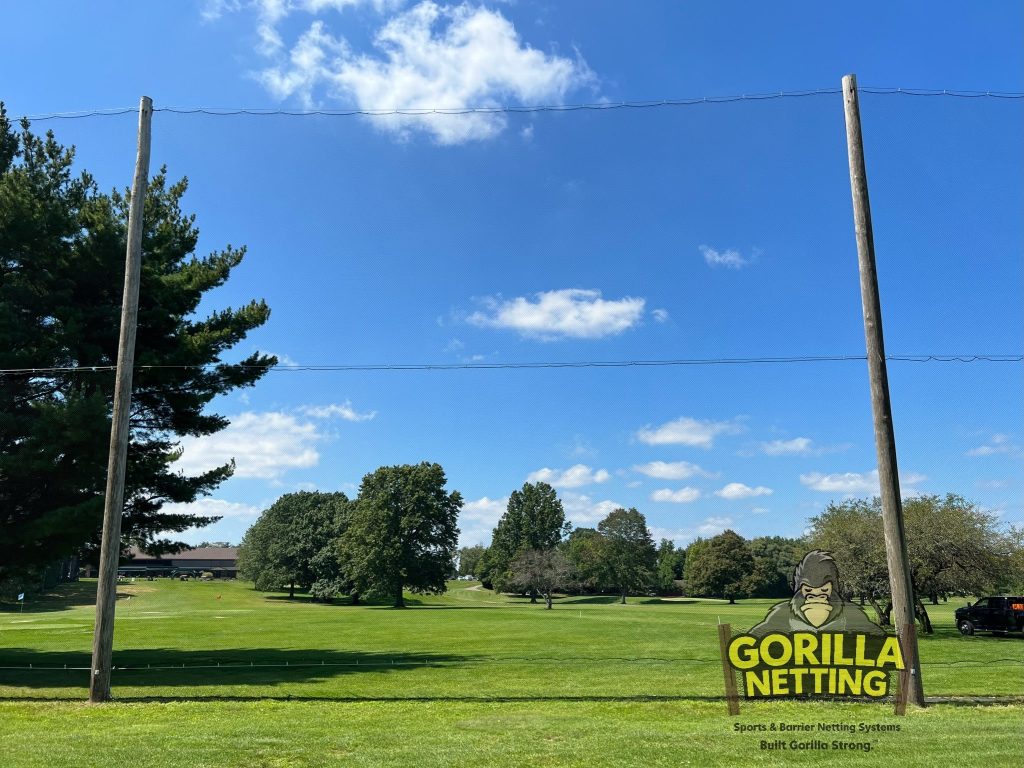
column 533, row 519
column 403, row 532
column 775, row 559
column 629, row 553
column 721, row 568
column 62, row 251
column 954, row 547
column 295, row 542
column 585, row 549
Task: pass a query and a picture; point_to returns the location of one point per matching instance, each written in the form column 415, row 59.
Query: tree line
column 400, row 533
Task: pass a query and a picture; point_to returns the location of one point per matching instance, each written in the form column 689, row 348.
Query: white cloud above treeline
column 686, row 431
column 429, row 56
column 568, row 313
column 733, row 491
column 858, row 482
column 728, row 258
column 264, row 445
column 672, row 470
column 680, row 496
column 573, row 477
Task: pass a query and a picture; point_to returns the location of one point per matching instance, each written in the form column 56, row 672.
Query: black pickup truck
column 992, row 614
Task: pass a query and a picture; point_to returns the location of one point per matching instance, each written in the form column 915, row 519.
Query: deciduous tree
column 403, row 532
column 629, row 552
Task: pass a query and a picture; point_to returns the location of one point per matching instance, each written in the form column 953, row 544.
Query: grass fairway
column 215, row 674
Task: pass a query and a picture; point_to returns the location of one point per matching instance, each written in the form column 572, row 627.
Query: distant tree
column 722, row 568
column 469, row 560
column 629, row 550
column 403, row 532
column 293, row 541
column 954, row 548
column 693, row 552
column 62, row 252
column 534, row 519
column 669, row 568
column 585, row 550
column 540, row 571
column 775, row 558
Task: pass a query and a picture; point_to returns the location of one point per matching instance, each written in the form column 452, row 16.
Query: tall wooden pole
column 885, row 440
column 106, row 591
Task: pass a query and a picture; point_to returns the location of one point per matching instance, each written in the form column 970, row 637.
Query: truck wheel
column 966, row 627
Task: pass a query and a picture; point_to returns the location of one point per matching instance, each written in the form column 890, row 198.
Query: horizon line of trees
column 400, row 533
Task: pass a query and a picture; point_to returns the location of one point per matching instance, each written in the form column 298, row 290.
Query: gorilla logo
column 817, row 605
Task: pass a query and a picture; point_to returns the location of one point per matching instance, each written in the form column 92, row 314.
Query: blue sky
column 708, row 231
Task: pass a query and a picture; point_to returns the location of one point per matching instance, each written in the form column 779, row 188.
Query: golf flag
column 21, row 596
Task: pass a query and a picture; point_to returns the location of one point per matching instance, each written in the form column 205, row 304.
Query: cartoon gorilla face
column 816, row 596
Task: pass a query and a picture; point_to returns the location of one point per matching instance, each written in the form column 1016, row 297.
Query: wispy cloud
column 680, row 496
column 686, row 431
column 798, row 446
column 573, row 477
column 660, row 315
column 728, row 258
column 858, row 482
column 431, row 56
column 997, row 444
column 672, row 470
column 343, row 411
column 568, row 313
column 740, row 491
column 231, row 510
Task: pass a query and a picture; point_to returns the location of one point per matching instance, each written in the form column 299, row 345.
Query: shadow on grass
column 170, row 667
column 74, row 594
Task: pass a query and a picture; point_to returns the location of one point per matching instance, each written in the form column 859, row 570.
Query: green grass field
column 215, row 674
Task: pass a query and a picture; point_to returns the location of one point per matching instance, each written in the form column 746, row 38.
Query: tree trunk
column 355, row 598
column 291, row 591
column 732, row 601
column 547, row 597
column 399, row 597
column 935, row 598
column 922, row 616
column 533, row 595
column 623, row 596
column 883, row 617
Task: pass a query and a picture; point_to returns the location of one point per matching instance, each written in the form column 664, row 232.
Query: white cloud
column 741, row 491
column 661, row 315
column 568, row 313
column 730, row 258
column 428, row 57
column 858, row 482
column 686, row 431
column 798, row 446
column 264, row 445
column 478, row 518
column 759, row 510
column 672, row 470
column 282, row 359
column 343, row 410
column 711, row 526
column 573, row 477
column 582, row 510
column 214, row 508
column 681, row 496
column 998, row 443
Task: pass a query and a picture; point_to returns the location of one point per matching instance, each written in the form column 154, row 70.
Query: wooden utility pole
column 885, row 440
column 110, row 550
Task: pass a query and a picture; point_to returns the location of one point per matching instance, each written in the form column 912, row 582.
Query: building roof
column 200, row 553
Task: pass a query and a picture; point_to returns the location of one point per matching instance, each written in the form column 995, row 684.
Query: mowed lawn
column 216, row 674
